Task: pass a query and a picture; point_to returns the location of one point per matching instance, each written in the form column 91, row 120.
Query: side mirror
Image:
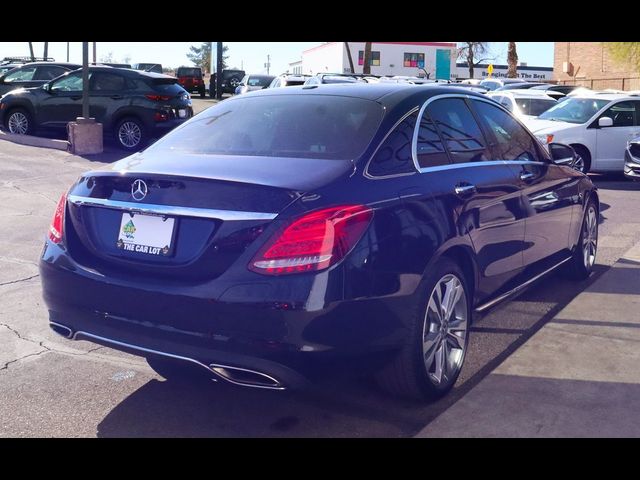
column 605, row 122
column 562, row 154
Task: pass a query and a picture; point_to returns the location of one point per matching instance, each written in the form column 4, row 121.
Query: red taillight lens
column 158, row 98
column 313, row 242
column 56, row 229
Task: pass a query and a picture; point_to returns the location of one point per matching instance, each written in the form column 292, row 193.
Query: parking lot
column 53, row 387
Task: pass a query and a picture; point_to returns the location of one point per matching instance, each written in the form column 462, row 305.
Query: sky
column 250, row 56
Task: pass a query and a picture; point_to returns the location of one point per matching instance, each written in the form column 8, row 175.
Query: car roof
column 525, row 93
column 385, row 93
column 73, row 66
column 595, row 95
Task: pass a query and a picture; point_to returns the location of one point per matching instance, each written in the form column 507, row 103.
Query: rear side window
column 459, row 130
column 429, row 147
column 513, row 141
column 394, row 155
column 102, row 81
column 48, row 72
column 189, row 72
column 302, row 126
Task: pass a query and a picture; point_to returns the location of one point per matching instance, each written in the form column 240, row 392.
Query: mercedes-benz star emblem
column 138, row 190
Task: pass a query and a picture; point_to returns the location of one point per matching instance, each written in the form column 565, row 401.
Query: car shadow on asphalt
column 347, row 406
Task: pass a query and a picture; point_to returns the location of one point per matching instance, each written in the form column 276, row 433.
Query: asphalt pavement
column 53, row 387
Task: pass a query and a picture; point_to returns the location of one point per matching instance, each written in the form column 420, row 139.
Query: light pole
column 268, row 64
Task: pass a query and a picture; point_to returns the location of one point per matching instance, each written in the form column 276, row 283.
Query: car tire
column 583, row 157
column 415, row 370
column 178, row 371
column 584, row 256
column 19, row 121
column 131, row 134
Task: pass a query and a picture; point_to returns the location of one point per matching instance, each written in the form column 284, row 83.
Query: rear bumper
column 231, row 325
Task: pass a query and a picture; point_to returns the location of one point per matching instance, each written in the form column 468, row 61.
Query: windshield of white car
column 574, row 110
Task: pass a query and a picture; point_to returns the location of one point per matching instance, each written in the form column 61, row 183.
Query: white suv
column 597, row 125
column 524, row 103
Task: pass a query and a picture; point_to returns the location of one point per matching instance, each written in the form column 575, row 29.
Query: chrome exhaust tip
column 246, row 378
column 62, row 330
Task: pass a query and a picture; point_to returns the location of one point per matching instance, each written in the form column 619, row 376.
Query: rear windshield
column 189, row 72
column 259, row 81
column 301, row 126
column 165, row 85
column 534, row 106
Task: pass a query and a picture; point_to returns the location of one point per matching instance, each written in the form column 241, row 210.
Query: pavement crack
column 32, row 193
column 17, row 260
column 19, row 280
column 6, row 365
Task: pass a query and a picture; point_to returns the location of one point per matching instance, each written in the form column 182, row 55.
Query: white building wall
column 533, row 74
column 333, row 58
column 326, row 58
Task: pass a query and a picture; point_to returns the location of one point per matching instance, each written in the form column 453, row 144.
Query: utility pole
column 67, row 51
column 85, row 79
column 94, row 53
column 268, row 64
column 219, row 72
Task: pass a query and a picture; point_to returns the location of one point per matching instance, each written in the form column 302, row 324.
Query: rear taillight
column 313, row 242
column 158, row 98
column 56, row 230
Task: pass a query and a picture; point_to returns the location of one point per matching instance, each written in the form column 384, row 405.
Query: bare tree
column 366, row 68
column 512, row 61
column 108, row 58
column 351, row 69
column 474, row 53
column 126, row 58
column 33, row 57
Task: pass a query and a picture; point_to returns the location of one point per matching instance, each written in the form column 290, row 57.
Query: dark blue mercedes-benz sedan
column 290, row 233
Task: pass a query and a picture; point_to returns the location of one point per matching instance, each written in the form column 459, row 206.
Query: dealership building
column 432, row 59
column 435, row 60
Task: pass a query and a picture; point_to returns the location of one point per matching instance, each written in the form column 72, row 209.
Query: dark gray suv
column 135, row 106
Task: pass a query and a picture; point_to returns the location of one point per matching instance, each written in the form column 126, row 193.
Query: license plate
column 182, row 113
column 147, row 234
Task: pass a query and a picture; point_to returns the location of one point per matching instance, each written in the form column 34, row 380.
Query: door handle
column 464, row 189
column 525, row 176
column 76, row 97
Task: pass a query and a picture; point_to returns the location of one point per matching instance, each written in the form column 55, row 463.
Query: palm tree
column 512, row 60
column 366, row 68
column 33, row 57
column 352, row 70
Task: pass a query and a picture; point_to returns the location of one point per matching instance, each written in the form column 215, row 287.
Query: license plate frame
column 146, row 235
column 182, row 113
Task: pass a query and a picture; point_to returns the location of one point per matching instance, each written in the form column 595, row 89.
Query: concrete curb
column 32, row 141
column 575, row 377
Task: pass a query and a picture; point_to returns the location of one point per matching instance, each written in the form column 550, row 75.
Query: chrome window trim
column 226, row 215
column 453, row 166
column 414, row 143
column 382, row 177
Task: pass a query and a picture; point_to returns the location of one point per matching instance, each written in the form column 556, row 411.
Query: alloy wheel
column 590, row 237
column 579, row 164
column 129, row 134
column 18, row 123
column 445, row 330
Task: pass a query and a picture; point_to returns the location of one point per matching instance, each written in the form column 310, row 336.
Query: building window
column 375, row 58
column 415, row 60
